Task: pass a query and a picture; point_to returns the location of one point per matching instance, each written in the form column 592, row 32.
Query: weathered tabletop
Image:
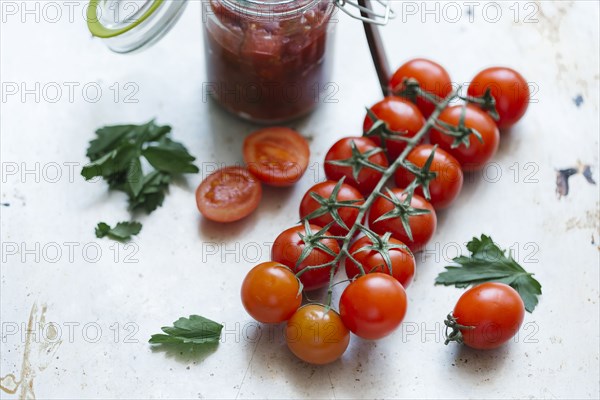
column 100, row 302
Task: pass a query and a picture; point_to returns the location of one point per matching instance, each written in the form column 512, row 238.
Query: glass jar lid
column 129, row 25
column 271, row 8
column 377, row 12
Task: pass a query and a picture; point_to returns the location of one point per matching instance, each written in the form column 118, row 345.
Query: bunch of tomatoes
column 356, row 219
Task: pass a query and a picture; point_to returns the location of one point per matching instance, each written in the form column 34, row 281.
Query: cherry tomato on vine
column 271, row 293
column 496, row 312
column 325, row 190
column 510, row 90
column 276, row 155
column 401, row 116
column 403, row 261
column 228, row 194
column 288, row 247
column 474, row 157
column 373, row 306
column 368, row 177
column 315, row 336
column 446, row 186
column 432, row 78
column 422, row 226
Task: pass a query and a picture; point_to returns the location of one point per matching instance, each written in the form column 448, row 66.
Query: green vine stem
column 377, row 192
column 455, row 334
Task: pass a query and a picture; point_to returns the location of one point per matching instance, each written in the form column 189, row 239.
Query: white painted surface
column 556, row 355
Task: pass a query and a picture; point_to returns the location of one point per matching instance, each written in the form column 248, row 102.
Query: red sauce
column 268, row 68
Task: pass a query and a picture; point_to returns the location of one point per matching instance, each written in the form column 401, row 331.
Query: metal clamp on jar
column 267, row 61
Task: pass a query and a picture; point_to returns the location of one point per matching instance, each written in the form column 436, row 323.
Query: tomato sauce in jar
column 267, row 61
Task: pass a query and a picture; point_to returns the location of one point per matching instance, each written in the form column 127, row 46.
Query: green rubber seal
column 99, row 30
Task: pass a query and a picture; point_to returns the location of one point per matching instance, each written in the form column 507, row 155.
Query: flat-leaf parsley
column 192, row 330
column 122, row 232
column 489, row 263
column 116, row 155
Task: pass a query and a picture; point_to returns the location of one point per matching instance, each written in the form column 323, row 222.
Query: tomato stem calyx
column 382, row 130
column 487, row 102
column 359, row 160
column 330, row 206
column 423, row 176
column 455, row 334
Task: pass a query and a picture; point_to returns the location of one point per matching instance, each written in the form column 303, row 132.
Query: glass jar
column 267, row 61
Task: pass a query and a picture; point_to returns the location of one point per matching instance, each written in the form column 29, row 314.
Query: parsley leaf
column 192, row 330
column 108, row 140
column 116, row 155
column 122, row 232
column 169, row 156
column 152, row 194
column 489, row 263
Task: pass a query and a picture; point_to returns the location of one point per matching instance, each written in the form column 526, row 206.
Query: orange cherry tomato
column 271, row 293
column 315, row 336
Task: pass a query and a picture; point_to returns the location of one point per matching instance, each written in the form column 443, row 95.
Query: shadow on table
column 270, row 205
column 228, row 131
column 472, row 363
column 510, row 140
column 270, row 356
column 185, row 353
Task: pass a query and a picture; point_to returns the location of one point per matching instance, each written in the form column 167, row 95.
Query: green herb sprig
column 489, row 263
column 116, row 155
column 192, row 330
column 122, row 232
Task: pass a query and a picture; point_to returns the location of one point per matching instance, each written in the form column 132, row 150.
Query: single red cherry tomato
column 270, row 293
column 288, row 247
column 228, row 194
column 446, row 186
column 510, row 90
column 373, row 306
column 277, row 156
column 494, row 310
column 403, row 261
column 325, row 190
column 316, row 336
column 432, row 78
column 474, row 157
column 422, row 226
column 401, row 116
column 368, row 177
